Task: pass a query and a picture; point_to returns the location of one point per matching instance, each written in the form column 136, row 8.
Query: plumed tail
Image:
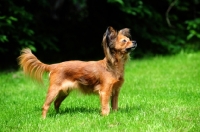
column 32, row 66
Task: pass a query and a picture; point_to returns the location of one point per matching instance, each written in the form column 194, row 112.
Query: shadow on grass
column 80, row 109
column 74, row 110
column 88, row 110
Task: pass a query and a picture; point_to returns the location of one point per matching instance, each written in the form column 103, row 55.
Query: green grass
column 160, row 94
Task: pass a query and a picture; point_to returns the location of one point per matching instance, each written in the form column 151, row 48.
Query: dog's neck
column 116, row 65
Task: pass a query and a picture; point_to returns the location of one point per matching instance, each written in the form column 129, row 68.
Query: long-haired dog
column 104, row 77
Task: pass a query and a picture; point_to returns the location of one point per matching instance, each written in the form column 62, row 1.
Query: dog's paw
column 105, row 112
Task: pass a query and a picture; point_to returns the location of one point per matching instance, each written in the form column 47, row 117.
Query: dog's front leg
column 115, row 94
column 114, row 99
column 104, row 98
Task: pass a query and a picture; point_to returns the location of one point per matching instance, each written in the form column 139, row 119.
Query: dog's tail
column 32, row 66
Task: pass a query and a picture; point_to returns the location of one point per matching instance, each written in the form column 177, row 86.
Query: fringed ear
column 108, row 42
column 111, row 34
column 125, row 32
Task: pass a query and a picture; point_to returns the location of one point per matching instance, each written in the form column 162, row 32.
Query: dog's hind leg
column 61, row 96
column 51, row 95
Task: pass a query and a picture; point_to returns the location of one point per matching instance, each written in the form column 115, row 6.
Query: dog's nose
column 134, row 43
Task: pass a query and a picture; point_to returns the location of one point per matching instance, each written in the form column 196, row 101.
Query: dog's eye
column 124, row 41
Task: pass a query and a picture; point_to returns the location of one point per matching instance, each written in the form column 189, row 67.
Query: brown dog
column 104, row 77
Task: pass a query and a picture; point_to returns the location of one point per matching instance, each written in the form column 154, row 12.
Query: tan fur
column 103, row 77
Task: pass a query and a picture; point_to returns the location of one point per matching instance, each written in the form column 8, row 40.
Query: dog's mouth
column 131, row 48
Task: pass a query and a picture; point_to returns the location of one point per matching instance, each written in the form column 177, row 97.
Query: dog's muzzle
column 134, row 45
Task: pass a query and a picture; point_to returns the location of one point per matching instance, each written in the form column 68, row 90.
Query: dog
column 103, row 77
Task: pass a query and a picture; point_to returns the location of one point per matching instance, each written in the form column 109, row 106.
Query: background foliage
column 59, row 30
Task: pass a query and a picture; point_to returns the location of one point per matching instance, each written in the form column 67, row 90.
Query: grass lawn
column 160, row 94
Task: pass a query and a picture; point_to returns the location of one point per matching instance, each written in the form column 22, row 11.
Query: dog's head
column 117, row 44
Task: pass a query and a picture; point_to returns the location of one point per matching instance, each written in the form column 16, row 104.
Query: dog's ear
column 108, row 43
column 110, row 34
column 125, row 32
